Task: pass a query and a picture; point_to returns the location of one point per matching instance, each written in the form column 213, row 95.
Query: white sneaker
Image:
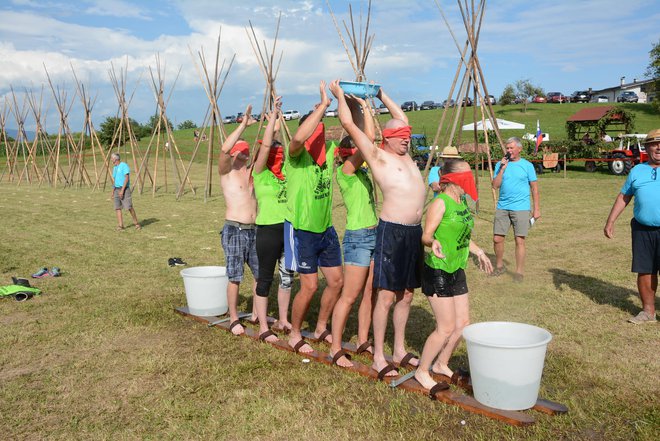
column 642, row 317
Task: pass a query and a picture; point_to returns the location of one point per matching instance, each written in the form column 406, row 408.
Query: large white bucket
column 206, row 289
column 506, row 363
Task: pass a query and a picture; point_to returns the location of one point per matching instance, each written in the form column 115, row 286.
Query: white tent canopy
column 502, row 124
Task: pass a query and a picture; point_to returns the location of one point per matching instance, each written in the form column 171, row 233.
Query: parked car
column 627, row 97
column 239, row 117
column 602, row 99
column 556, row 97
column 229, row 119
column 427, row 105
column 409, row 106
column 539, row 99
column 580, row 97
column 331, row 112
column 451, row 104
column 383, row 109
column 291, row 114
column 467, row 101
column 492, row 99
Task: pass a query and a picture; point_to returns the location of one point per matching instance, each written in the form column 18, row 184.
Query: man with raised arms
column 398, row 252
column 310, row 239
column 239, row 231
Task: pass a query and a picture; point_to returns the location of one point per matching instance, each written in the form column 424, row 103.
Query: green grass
column 102, row 355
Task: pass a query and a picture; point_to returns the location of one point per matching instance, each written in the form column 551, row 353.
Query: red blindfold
column 240, row 147
column 275, row 161
column 465, row 180
column 399, row 132
column 315, row 145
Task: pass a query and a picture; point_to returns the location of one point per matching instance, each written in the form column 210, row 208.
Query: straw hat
column 450, row 152
column 652, row 136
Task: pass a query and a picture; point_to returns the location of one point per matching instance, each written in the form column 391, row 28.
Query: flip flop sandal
column 437, row 388
column 338, row 355
column 405, row 361
column 321, row 338
column 300, row 344
column 363, row 348
column 264, row 335
column 234, row 324
column 389, row 368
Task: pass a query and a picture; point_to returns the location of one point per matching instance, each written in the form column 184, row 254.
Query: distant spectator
column 587, row 139
column 196, row 135
column 605, row 137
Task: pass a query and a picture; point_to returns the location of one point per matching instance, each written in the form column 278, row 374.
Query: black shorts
column 398, row 256
column 436, row 282
column 645, row 248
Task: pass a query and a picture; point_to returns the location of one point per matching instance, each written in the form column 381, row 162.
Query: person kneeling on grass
column 447, row 231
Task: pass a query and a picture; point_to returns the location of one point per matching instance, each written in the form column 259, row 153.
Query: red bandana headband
column 240, row 147
column 399, row 132
column 465, row 180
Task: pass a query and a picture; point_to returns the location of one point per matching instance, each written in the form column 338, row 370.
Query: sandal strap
column 405, row 361
column 363, row 347
column 264, row 335
column 233, row 324
column 299, row 345
column 389, row 368
column 323, row 335
column 440, row 386
column 339, row 354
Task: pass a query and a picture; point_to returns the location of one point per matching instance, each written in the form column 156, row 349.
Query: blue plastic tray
column 362, row 90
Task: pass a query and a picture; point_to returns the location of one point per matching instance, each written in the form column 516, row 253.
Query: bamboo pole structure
column 9, row 153
column 21, row 145
column 212, row 87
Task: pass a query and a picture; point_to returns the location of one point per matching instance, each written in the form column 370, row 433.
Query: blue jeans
column 359, row 246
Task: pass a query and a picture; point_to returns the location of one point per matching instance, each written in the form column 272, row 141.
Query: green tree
column 187, row 124
column 508, row 95
column 653, row 71
column 111, row 124
column 153, row 122
column 525, row 90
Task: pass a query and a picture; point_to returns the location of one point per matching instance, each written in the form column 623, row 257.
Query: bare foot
column 441, row 369
column 397, row 357
column 382, row 364
column 303, row 348
column 424, row 379
column 342, row 361
column 324, row 335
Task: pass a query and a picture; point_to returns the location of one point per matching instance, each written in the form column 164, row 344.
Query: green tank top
column 358, row 194
column 309, row 191
column 453, row 233
column 271, row 198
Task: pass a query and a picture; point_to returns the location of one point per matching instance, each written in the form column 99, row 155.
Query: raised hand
column 325, row 99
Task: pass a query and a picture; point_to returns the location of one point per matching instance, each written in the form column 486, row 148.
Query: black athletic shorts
column 398, row 256
column 436, row 282
column 645, row 248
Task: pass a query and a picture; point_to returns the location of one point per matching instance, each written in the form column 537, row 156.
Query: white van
column 291, row 114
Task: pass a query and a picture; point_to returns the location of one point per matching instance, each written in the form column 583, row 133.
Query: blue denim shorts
column 359, row 246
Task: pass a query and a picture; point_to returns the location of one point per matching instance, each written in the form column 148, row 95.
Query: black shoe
column 178, row 261
column 170, row 261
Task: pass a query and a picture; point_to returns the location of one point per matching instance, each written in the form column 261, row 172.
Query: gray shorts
column 126, row 202
column 240, row 247
column 505, row 218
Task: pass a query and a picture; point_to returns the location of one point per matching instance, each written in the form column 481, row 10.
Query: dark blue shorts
column 398, row 256
column 305, row 251
column 645, row 248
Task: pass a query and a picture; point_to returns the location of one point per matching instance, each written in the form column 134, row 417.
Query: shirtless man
column 239, row 231
column 311, row 241
column 399, row 232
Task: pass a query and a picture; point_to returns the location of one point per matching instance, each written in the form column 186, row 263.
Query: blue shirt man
column 516, row 179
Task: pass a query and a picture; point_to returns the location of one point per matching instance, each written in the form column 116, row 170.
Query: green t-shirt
column 453, row 233
column 309, row 191
column 271, row 198
column 358, row 194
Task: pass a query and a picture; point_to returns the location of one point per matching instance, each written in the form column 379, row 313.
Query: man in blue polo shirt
column 121, row 191
column 515, row 178
column 643, row 184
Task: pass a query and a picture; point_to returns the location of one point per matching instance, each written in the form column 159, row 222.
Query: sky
column 559, row 45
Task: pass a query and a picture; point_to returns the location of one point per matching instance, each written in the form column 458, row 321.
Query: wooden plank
column 448, row 397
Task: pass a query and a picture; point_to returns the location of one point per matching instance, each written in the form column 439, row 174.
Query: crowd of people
column 279, row 214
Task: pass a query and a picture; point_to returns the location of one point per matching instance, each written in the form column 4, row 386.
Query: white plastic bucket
column 506, row 363
column 206, row 290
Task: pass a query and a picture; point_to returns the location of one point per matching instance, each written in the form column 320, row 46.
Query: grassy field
column 102, row 355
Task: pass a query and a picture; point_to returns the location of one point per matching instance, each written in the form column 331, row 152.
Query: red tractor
column 622, row 159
